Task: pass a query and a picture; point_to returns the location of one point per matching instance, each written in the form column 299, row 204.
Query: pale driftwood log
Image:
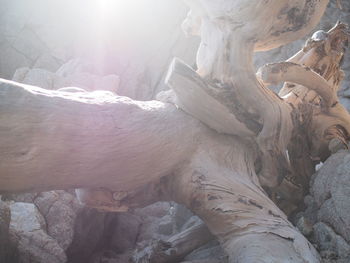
column 198, row 98
column 56, row 140
column 230, row 32
column 211, row 174
column 176, row 247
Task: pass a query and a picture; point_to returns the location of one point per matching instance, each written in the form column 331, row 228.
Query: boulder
column 59, row 210
column 331, row 192
column 7, row 251
column 329, row 241
column 326, row 219
column 89, row 228
column 124, row 230
column 65, row 78
column 27, row 231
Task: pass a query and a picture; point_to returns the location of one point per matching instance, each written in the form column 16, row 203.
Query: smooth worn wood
column 198, row 98
column 219, row 184
column 56, row 140
column 281, row 72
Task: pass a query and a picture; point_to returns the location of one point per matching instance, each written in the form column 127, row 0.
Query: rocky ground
column 35, row 48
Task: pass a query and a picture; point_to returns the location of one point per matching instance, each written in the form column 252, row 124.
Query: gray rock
column 182, row 215
column 10, row 60
column 91, row 82
column 74, row 66
column 109, row 256
column 53, row 81
column 193, row 221
column 329, row 241
column 23, row 198
column 158, row 209
column 124, row 230
column 89, row 229
column 331, row 191
column 211, row 252
column 305, row 226
column 345, row 101
column 48, row 62
column 38, row 77
column 60, row 210
column 167, row 225
column 28, row 43
column 157, row 221
column 27, row 231
column 7, row 250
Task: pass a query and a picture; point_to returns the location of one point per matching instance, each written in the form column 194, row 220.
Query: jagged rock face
column 7, row 250
column 138, row 52
column 74, row 73
column 27, row 231
column 326, row 219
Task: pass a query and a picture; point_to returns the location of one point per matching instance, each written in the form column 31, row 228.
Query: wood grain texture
column 57, row 140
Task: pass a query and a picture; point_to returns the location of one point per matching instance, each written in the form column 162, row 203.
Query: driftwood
column 220, row 162
column 175, row 248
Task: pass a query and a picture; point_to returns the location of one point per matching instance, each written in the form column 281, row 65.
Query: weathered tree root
column 276, row 73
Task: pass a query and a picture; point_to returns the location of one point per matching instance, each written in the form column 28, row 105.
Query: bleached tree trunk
column 238, row 146
column 56, row 140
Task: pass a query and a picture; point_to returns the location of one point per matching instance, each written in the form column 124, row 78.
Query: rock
column 124, row 230
column 25, row 218
column 305, row 226
column 10, row 60
column 23, row 198
column 109, row 256
column 48, row 62
column 193, row 221
column 211, row 252
column 329, row 241
column 74, row 66
column 158, row 209
column 331, row 191
column 59, row 209
column 156, row 221
column 7, row 251
column 345, row 101
column 90, row 226
column 166, row 226
column 27, row 231
column 53, row 81
column 328, row 209
column 92, row 82
column 203, row 261
column 31, row 37
column 38, row 77
column 29, row 43
column 182, row 215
